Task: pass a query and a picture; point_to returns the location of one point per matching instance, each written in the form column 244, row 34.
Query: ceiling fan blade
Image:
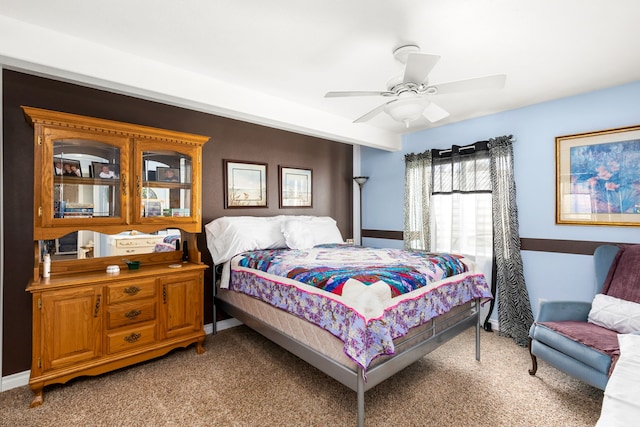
column 419, row 65
column 490, row 82
column 355, row 93
column 379, row 109
column 434, row 113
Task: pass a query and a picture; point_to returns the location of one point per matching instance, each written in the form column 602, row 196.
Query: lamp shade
column 360, row 179
column 405, row 110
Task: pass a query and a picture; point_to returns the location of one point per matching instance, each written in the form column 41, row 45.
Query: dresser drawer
column 137, row 242
column 131, row 338
column 132, row 251
column 130, row 313
column 121, row 292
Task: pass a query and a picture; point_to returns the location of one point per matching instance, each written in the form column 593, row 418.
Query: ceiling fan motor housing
column 401, row 53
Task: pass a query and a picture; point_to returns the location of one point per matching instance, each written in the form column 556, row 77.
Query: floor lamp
column 360, row 180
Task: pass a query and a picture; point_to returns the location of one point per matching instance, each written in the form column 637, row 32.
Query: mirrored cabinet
column 166, row 184
column 94, row 173
column 86, row 179
column 109, row 196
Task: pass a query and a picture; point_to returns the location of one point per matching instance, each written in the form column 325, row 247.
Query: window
column 450, row 200
column 449, row 203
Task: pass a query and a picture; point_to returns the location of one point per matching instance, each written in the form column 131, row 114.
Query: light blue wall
column 548, row 275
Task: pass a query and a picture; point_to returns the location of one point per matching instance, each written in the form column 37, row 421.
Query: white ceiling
column 295, row 51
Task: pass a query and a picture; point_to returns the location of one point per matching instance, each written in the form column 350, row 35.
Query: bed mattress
column 326, row 343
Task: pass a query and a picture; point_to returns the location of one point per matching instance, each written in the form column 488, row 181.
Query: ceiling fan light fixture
column 405, row 110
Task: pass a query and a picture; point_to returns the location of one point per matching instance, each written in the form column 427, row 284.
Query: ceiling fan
column 411, row 94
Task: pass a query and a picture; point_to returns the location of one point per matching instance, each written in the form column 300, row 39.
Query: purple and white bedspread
column 367, row 297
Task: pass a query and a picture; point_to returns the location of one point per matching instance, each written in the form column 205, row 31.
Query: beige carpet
column 245, row 380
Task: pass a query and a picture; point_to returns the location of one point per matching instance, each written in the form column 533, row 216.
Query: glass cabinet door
column 110, row 177
column 88, row 179
column 166, row 183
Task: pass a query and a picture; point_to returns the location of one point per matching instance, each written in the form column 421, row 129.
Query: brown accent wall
column 230, row 139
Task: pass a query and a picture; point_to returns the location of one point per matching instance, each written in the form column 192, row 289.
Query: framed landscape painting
column 245, row 184
column 598, row 178
column 295, row 187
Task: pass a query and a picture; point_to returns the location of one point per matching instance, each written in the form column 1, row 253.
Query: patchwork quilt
column 367, row 297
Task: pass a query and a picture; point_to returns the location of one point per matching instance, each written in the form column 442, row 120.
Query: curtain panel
column 417, row 197
column 514, row 308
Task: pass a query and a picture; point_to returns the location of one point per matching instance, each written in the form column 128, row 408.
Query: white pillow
column 228, row 236
column 297, row 235
column 615, row 314
column 307, row 232
column 621, row 403
column 325, row 230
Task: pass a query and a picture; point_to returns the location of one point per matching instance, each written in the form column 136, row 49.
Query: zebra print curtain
column 514, row 308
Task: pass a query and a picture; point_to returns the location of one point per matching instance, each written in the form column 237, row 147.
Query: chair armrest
column 560, row 311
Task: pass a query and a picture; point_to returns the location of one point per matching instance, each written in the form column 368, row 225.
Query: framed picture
column 152, row 208
column 598, row 178
column 66, row 167
column 245, row 184
column 105, row 170
column 167, row 174
column 295, row 187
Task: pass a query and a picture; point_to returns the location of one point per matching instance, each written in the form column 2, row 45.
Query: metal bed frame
column 354, row 378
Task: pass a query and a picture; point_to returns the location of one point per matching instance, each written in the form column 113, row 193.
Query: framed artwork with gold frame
column 598, row 178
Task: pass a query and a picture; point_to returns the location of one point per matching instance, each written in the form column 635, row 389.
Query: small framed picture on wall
column 296, row 187
column 245, row 184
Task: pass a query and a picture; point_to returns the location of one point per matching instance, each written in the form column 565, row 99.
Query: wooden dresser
column 87, row 324
column 87, row 321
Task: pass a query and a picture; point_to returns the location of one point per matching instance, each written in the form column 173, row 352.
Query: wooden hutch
column 103, row 189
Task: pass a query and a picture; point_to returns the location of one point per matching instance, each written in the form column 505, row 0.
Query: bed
column 358, row 314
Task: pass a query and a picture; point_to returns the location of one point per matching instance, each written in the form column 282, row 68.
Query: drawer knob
column 133, row 314
column 132, row 290
column 133, row 337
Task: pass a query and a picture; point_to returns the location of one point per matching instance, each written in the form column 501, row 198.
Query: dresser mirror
column 83, row 244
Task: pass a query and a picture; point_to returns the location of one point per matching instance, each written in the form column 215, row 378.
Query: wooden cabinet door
column 181, row 304
column 71, row 324
column 65, row 201
column 168, row 182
